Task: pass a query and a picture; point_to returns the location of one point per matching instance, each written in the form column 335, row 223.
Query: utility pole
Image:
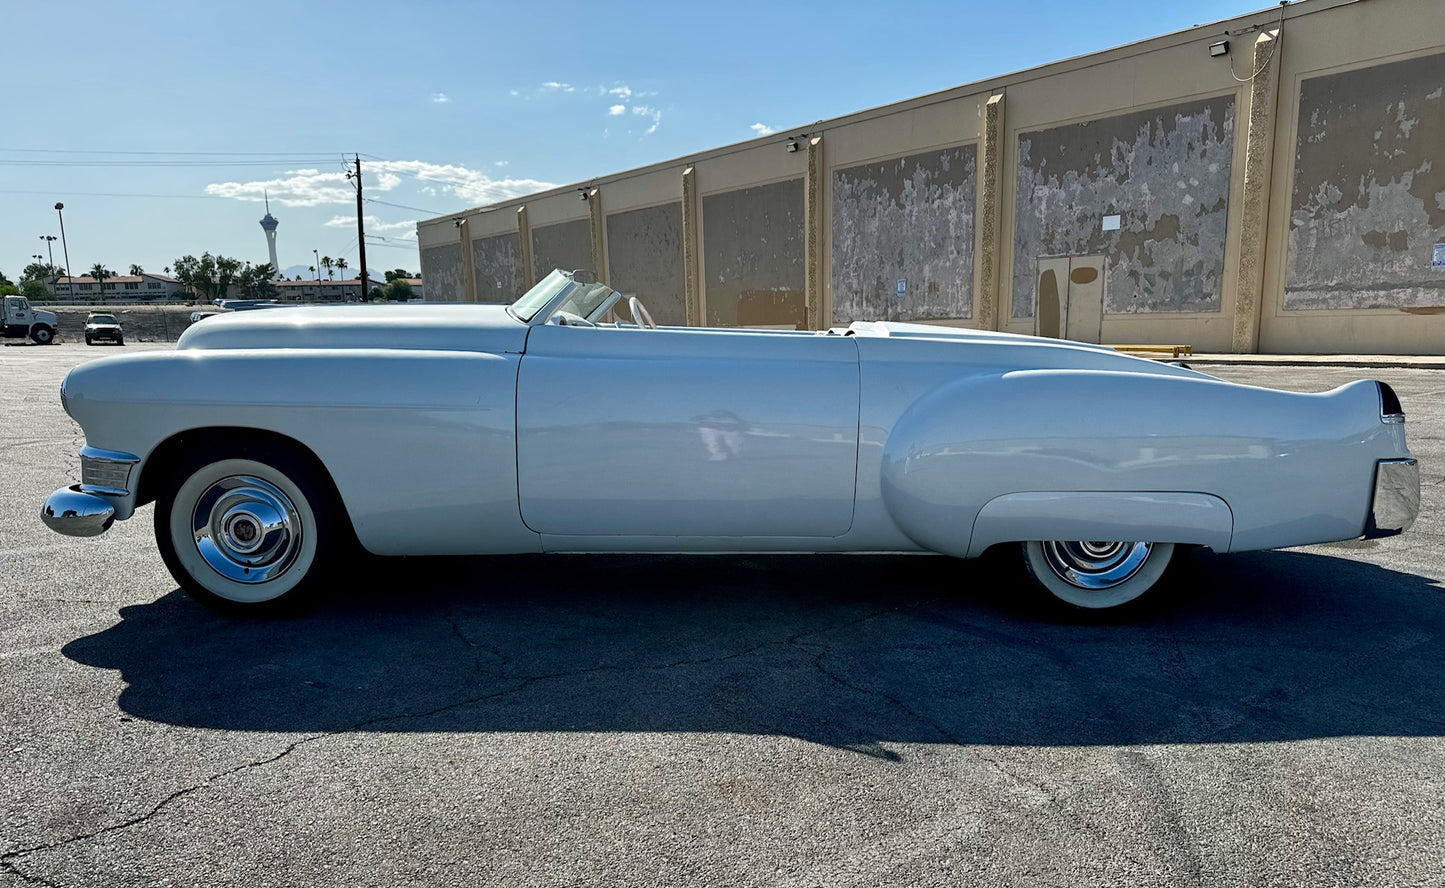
column 360, row 228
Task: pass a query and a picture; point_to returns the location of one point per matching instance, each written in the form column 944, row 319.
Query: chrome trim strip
column 1396, row 501
column 117, row 456
column 1393, row 417
column 106, row 472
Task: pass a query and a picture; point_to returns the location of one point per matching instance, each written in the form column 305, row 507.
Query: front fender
column 1291, row 468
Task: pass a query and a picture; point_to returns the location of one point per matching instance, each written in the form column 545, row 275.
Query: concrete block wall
column 1286, row 197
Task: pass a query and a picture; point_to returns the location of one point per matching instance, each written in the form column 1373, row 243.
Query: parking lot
column 1275, row 718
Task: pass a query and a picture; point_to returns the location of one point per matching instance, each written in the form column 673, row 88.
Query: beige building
column 1271, row 183
column 322, row 290
column 117, row 288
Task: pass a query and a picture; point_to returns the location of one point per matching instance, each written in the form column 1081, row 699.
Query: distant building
column 323, row 290
column 121, row 288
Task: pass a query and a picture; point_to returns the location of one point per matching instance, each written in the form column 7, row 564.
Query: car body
column 103, row 327
column 478, row 429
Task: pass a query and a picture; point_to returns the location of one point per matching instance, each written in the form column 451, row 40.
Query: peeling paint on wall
column 1165, row 173
column 565, row 245
column 644, row 252
column 753, row 255
column 441, row 269
column 910, row 219
column 1369, row 189
column 498, row 264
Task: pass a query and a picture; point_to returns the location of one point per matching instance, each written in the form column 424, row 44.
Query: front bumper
column 1397, row 497
column 87, row 509
column 74, row 512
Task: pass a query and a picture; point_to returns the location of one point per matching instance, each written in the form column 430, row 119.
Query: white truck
column 21, row 320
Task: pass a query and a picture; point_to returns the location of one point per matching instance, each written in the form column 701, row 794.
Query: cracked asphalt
column 1275, row 718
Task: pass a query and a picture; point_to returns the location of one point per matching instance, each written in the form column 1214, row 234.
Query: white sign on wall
column 1438, row 262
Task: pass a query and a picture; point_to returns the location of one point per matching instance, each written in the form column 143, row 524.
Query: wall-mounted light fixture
column 792, row 146
column 1219, row 49
column 582, row 194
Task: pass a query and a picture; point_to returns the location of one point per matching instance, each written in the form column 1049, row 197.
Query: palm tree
column 328, row 263
column 341, row 267
column 100, row 273
column 136, row 270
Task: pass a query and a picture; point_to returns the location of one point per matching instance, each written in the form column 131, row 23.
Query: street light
column 65, row 250
column 49, row 239
column 317, row 267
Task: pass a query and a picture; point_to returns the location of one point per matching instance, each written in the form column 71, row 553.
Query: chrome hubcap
column 246, row 529
column 1096, row 564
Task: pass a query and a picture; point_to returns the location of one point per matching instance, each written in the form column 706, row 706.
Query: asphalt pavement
column 1275, row 718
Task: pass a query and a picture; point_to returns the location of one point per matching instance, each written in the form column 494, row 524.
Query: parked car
column 272, row 443
column 103, row 327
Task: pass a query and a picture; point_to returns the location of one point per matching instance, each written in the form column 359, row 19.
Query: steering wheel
column 639, row 314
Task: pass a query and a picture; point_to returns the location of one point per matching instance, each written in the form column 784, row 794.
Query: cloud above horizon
column 406, row 229
column 312, row 188
column 762, row 129
column 440, row 98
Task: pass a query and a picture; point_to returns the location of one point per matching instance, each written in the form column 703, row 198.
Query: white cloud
column 649, row 111
column 554, row 86
column 440, row 98
column 310, row 188
column 762, row 129
column 405, row 228
column 502, row 163
column 514, row 92
column 617, row 110
column 621, row 92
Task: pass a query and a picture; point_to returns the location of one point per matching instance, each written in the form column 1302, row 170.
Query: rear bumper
column 1396, row 502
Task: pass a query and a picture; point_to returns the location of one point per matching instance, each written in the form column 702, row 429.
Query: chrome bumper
column 74, row 512
column 87, row 509
column 1397, row 497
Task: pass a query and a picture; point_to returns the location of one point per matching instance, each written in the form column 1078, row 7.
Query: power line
column 116, row 194
column 403, row 206
column 173, row 164
column 166, row 153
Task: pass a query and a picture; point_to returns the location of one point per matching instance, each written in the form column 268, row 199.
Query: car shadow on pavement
column 853, row 652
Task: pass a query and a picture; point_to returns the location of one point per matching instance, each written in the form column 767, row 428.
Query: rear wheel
column 1096, row 574
column 253, row 534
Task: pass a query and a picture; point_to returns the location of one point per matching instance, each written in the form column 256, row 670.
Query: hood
column 437, row 327
column 48, row 317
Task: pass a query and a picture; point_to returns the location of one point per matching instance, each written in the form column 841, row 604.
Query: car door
column 679, row 432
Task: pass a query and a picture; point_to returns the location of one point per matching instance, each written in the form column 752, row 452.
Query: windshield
column 536, row 298
column 102, row 319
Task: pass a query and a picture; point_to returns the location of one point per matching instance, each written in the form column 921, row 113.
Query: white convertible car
column 273, row 443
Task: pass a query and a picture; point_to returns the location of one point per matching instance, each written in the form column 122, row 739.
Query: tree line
column 209, row 277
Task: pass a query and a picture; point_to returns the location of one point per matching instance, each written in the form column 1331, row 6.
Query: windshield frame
column 545, row 295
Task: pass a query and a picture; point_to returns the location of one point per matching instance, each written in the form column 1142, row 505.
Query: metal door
column 1070, row 297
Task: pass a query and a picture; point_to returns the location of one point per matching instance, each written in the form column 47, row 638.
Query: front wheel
column 249, row 535
column 42, row 334
column 1094, row 574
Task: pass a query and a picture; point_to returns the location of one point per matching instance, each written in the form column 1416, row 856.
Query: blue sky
column 451, row 105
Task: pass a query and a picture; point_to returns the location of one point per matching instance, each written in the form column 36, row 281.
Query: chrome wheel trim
column 1095, row 565
column 246, row 529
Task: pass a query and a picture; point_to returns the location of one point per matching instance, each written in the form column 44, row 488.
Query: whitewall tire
column 247, row 534
column 1096, row 575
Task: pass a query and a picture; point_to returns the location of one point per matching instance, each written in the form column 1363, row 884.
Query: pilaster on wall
column 1254, row 216
column 524, row 242
column 814, row 224
column 692, row 287
column 599, row 234
column 469, row 267
column 990, row 220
